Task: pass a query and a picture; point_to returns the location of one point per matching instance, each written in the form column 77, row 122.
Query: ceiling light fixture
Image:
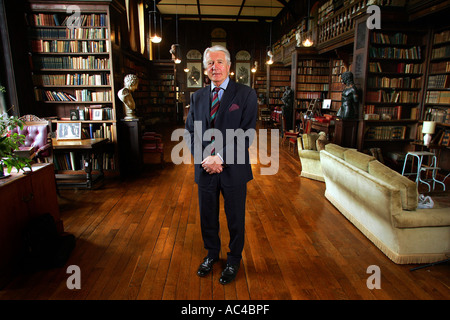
column 155, row 38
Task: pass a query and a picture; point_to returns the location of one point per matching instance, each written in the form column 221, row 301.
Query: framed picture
column 243, row 73
column 194, row 76
column 97, row 114
column 74, row 114
column 68, row 131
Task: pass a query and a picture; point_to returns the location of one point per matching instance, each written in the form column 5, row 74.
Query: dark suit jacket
column 238, row 110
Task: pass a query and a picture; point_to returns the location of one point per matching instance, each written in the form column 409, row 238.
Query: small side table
column 419, row 155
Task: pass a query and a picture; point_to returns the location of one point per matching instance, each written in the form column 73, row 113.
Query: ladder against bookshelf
column 72, row 71
column 390, row 64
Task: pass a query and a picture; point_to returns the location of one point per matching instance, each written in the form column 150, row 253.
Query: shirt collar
column 223, row 86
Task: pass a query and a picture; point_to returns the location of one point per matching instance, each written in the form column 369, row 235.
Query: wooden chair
column 152, row 143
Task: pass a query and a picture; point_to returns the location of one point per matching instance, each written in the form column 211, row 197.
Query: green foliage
column 11, row 141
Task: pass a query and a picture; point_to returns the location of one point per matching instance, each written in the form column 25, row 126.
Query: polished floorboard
column 139, row 238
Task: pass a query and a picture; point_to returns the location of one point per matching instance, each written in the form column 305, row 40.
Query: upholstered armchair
column 309, row 146
column 36, row 132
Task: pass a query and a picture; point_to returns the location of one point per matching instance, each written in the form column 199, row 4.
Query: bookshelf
column 390, row 70
column 312, row 80
column 437, row 98
column 260, row 83
column 336, row 86
column 72, row 72
column 162, row 101
column 278, row 78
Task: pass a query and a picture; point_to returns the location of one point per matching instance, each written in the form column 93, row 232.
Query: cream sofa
column 382, row 204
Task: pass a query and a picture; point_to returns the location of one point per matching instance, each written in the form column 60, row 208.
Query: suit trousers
column 234, row 204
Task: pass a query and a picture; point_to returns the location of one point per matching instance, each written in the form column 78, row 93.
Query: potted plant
column 9, row 142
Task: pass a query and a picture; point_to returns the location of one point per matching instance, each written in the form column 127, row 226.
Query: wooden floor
column 140, row 239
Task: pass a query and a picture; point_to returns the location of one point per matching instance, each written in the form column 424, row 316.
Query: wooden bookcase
column 73, row 70
column 311, row 79
column 278, row 77
column 163, row 90
column 436, row 100
column 390, row 70
column 336, row 86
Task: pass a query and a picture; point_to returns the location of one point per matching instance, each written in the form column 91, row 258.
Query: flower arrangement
column 9, row 142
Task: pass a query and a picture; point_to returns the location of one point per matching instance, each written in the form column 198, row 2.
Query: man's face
column 217, row 67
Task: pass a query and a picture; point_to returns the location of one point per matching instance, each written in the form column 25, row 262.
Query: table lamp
column 428, row 129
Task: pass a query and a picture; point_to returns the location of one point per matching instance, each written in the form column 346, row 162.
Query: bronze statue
column 350, row 99
column 131, row 83
column 288, row 100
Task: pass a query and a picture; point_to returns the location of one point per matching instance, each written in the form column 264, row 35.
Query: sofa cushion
column 358, row 159
column 408, row 188
column 309, row 141
column 436, row 217
column 335, row 150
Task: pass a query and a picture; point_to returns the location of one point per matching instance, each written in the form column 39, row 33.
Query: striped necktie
column 214, row 108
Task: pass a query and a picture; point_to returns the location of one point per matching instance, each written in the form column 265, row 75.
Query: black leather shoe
column 229, row 273
column 205, row 268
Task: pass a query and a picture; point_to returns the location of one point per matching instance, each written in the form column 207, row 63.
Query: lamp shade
column 428, row 127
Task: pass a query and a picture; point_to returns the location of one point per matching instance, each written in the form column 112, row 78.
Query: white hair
column 215, row 49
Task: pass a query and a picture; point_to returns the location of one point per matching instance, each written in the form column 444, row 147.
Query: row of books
column 386, row 133
column 75, row 161
column 160, row 94
column 69, row 46
column 438, row 97
column 280, row 83
column 311, row 95
column 89, row 62
column 441, row 115
column 398, row 38
column 280, row 78
column 372, row 112
column 443, row 36
column 278, row 72
column 386, row 82
column 162, row 100
column 440, row 67
column 312, row 71
column 53, row 19
column 439, row 81
column 166, row 76
column 395, row 53
column 76, row 79
column 313, row 63
column 313, row 87
column 162, row 109
column 80, row 95
column 398, row 68
column 162, row 83
column 70, row 33
column 313, row 79
column 94, row 112
column 442, row 52
column 392, row 97
column 88, row 95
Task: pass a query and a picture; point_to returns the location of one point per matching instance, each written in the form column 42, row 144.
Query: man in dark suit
column 221, row 160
